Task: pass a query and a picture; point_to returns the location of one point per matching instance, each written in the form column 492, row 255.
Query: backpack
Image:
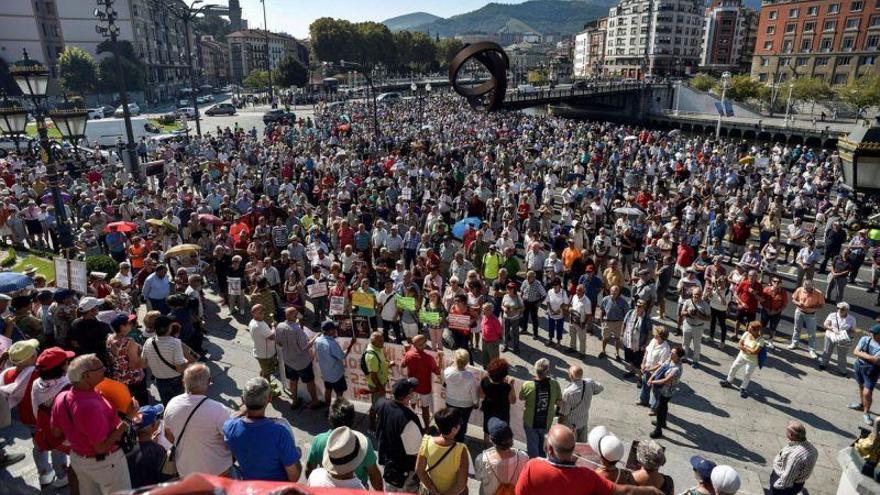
column 364, row 361
column 504, row 488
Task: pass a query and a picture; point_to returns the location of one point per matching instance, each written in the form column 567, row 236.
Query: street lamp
column 111, row 32
column 368, row 76
column 32, row 78
column 725, row 83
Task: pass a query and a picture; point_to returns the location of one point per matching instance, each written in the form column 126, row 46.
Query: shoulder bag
column 161, row 358
column 169, row 467
column 423, row 490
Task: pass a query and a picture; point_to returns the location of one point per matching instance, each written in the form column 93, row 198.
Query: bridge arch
column 813, row 142
column 795, row 139
column 780, row 138
column 750, row 135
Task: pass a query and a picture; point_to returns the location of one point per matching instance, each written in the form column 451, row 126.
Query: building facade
column 214, row 61
column 580, row 55
column 728, row 37
column 247, row 51
column 589, row 49
column 835, row 40
column 654, row 37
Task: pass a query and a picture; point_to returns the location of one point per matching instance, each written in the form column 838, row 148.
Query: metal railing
column 572, row 92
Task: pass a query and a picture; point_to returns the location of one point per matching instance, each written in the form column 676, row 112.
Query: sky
column 294, row 16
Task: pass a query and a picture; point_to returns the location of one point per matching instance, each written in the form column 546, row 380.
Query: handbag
column 423, row 490
column 169, row 466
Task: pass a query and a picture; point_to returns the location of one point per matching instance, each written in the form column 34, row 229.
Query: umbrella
column 47, row 198
column 155, row 222
column 630, row 138
column 746, row 160
column 629, row 212
column 460, row 227
column 183, row 249
column 208, row 218
column 13, row 281
column 120, row 227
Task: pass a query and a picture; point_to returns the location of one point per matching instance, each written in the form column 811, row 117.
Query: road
column 245, row 118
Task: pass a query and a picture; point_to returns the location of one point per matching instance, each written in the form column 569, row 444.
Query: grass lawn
column 53, row 132
column 166, row 129
column 44, row 266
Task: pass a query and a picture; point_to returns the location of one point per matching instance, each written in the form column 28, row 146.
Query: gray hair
column 541, row 367
column 80, row 365
column 256, row 393
column 650, row 454
column 196, row 378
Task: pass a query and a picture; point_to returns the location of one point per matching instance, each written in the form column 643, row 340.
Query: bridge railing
column 572, row 92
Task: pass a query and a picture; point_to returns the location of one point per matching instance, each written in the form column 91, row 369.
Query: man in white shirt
column 163, row 354
column 576, row 400
column 264, row 342
column 388, row 312
column 200, row 447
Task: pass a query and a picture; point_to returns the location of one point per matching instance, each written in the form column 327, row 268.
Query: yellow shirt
column 612, row 277
column 445, row 473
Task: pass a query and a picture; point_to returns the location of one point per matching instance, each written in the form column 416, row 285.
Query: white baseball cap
column 611, row 448
column 725, row 480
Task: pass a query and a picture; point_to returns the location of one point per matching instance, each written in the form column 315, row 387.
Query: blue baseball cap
column 328, row 325
column 148, row 415
column 703, row 467
column 875, row 329
column 122, row 319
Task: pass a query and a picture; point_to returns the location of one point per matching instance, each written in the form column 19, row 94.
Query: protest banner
column 429, row 317
column 318, row 289
column 461, row 322
column 363, row 300
column 407, row 303
column 337, row 305
column 62, row 278
column 234, row 284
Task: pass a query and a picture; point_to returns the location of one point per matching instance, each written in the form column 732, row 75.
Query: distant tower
column 235, row 15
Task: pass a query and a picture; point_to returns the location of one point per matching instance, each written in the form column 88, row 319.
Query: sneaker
column 868, row 419
column 10, row 459
column 60, row 482
column 791, row 347
column 855, row 406
column 725, row 384
column 656, row 434
column 47, row 478
column 813, row 354
column 743, row 394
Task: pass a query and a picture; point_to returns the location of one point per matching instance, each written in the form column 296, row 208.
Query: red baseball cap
column 53, row 357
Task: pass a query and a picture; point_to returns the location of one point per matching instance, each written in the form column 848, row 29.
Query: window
column 793, row 13
column 806, row 45
column 789, row 28
column 856, row 6
column 875, row 21
column 814, row 10
column 773, row 14
column 843, row 60
column 872, row 41
column 768, row 45
column 784, row 61
column 809, row 27
column 840, row 78
column 801, row 61
column 771, row 29
column 852, row 24
column 866, row 60
column 829, row 26
column 765, row 61
column 787, row 46
column 762, row 77
column 834, row 8
column 821, row 60
column 825, row 44
column 847, row 44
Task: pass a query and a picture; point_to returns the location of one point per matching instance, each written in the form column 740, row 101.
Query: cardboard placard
column 62, row 278
column 461, row 322
column 429, row 317
column 407, row 303
column 318, row 289
column 363, row 300
column 234, row 284
column 79, row 280
column 337, row 305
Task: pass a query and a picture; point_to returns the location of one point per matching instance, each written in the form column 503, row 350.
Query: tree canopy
column 78, row 71
column 861, row 93
column 291, row 73
column 257, row 79
column 703, row 82
column 132, row 68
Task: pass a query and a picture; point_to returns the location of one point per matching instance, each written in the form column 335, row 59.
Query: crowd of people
column 455, row 234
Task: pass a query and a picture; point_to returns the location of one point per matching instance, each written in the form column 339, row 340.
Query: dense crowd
column 454, row 233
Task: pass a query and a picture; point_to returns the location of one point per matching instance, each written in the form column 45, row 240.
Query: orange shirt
column 137, row 253
column 569, row 255
column 810, row 301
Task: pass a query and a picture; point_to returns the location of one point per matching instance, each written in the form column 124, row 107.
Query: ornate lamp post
column 725, row 83
column 32, row 78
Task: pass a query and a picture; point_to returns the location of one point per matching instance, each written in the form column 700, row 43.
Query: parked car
column 133, row 109
column 190, row 112
column 96, row 113
column 526, row 89
column 580, row 84
column 221, row 109
column 276, row 115
column 201, row 100
column 388, row 98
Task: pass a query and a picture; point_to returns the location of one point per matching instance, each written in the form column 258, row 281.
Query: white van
column 106, row 131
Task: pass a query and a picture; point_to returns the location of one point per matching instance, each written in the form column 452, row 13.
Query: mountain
column 542, row 16
column 408, row 21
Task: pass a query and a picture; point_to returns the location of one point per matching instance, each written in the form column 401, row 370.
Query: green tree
column 703, row 82
column 375, row 44
column 291, row 73
column 812, row 90
column 213, row 25
column 446, row 49
column 334, row 40
column 742, row 88
column 861, row 93
column 78, row 72
column 132, row 68
column 424, row 52
column 538, row 77
column 257, row 79
column 403, row 45
column 7, row 83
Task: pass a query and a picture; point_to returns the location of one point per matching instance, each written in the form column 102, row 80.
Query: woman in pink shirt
column 492, row 332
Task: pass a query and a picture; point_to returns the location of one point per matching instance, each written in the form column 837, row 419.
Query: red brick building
column 836, row 40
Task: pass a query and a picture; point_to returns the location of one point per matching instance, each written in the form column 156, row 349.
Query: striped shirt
column 794, row 464
column 532, row 292
column 576, row 400
column 171, row 350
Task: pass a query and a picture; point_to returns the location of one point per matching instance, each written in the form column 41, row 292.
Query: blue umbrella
column 12, row 281
column 460, row 226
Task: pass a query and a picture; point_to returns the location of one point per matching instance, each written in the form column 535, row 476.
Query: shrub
column 9, row 260
column 168, row 119
column 102, row 263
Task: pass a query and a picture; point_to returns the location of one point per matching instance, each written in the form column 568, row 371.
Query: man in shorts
column 331, row 359
column 295, row 346
column 377, row 370
column 420, row 365
column 867, row 371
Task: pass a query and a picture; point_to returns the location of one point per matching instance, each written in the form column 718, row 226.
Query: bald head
column 560, row 442
column 575, row 373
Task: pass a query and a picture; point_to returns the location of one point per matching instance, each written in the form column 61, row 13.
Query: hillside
column 408, row 21
column 544, row 16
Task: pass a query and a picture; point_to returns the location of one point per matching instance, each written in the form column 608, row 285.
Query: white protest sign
column 317, row 290
column 234, row 284
column 79, row 280
column 337, row 305
column 62, row 280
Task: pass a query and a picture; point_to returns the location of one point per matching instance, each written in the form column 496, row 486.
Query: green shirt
column 316, row 456
column 491, row 265
column 528, row 394
column 376, row 363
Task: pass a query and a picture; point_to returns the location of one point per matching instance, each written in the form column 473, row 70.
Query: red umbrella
column 120, row 227
column 208, row 218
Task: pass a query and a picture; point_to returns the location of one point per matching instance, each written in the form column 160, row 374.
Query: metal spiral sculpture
column 489, row 95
